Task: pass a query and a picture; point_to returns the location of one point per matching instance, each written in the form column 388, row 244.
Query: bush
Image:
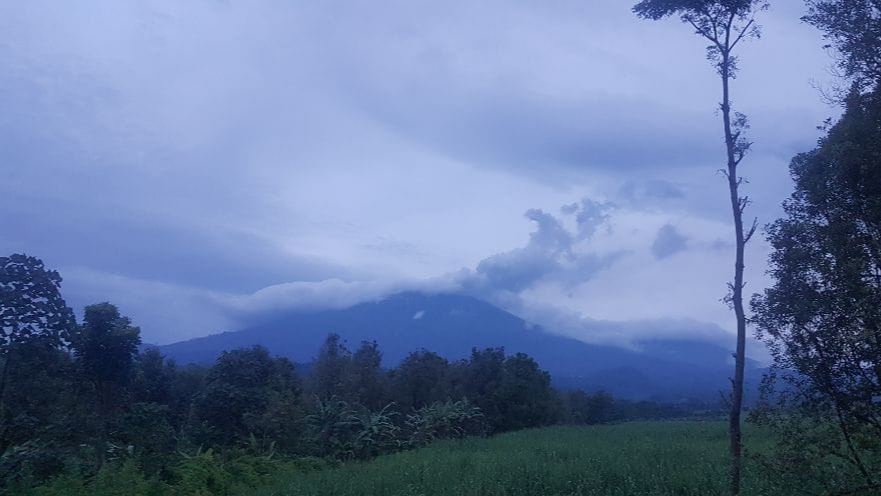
column 444, row 420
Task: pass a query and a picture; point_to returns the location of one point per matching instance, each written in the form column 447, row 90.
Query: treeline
column 82, row 407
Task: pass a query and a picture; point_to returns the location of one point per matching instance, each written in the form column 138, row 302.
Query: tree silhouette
column 34, row 319
column 105, row 348
column 853, row 28
column 821, row 318
column 725, row 23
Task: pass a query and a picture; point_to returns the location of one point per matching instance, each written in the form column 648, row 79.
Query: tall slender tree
column 725, row 24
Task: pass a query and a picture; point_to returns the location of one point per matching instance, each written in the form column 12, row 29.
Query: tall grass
column 635, row 459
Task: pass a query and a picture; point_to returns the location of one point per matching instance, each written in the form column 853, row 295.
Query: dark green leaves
column 853, row 27
column 659, row 9
column 724, row 23
column 31, row 306
column 106, row 344
column 822, row 316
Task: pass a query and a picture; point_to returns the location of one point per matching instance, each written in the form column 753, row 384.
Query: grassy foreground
column 635, row 459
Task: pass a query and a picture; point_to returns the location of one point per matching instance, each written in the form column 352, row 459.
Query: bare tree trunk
column 4, row 379
column 4, row 424
column 737, row 206
column 102, row 410
column 6, row 360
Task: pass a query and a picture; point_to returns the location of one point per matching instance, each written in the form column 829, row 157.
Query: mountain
column 452, row 325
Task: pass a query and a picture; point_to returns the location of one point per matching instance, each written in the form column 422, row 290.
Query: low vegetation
column 632, row 459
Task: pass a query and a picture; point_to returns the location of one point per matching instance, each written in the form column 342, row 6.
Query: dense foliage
column 822, row 317
column 853, row 28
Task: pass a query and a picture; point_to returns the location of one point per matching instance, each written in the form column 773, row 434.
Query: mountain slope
column 452, row 325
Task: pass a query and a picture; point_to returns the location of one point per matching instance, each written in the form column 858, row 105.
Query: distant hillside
column 452, row 325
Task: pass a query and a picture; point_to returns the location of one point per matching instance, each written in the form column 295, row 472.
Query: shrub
column 443, row 420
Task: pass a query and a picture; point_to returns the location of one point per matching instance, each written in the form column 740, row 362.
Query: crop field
column 634, row 459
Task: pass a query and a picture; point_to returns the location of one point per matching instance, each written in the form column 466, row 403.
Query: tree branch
column 751, row 231
column 743, row 32
column 703, row 32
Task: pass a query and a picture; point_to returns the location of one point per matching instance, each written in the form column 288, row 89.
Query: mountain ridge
column 452, row 324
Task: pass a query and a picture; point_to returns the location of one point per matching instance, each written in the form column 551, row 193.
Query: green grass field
column 652, row 458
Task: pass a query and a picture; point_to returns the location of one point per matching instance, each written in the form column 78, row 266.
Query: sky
column 203, row 164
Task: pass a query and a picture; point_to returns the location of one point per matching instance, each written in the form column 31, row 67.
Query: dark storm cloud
column 669, row 242
column 552, row 254
column 190, row 256
column 517, row 269
column 554, row 139
column 545, row 137
column 78, row 206
column 650, row 191
column 635, row 109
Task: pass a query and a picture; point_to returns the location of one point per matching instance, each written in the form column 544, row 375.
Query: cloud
column 650, row 191
column 589, row 216
column 558, row 279
column 224, row 258
column 519, row 268
column 172, row 312
column 624, row 333
column 321, row 295
column 632, row 333
column 553, row 254
column 668, row 242
column 165, row 312
column 549, row 138
column 591, row 107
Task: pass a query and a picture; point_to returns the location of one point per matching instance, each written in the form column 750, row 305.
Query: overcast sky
column 202, row 163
